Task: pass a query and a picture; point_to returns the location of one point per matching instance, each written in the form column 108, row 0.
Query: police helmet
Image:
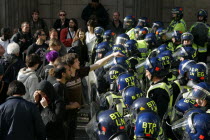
column 140, row 33
column 114, row 72
column 122, row 38
column 130, row 94
column 124, row 80
column 101, row 50
column 178, row 11
column 177, row 35
column 109, row 122
column 99, row 31
column 129, row 22
column 131, row 47
column 198, row 72
column 187, row 36
column 119, row 48
column 201, row 90
column 185, row 104
column 156, row 25
column 160, row 32
column 123, row 61
column 203, row 13
column 162, row 48
column 195, row 126
column 155, row 67
column 151, row 39
column 166, row 59
column 109, row 35
column 143, row 21
column 142, row 104
column 185, row 66
column 147, row 125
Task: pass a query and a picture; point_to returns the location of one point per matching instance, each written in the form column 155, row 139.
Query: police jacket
column 20, row 120
column 112, row 101
column 161, row 93
column 177, row 25
column 131, row 33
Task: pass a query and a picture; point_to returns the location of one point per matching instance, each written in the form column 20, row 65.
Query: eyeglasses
column 62, row 15
column 43, row 34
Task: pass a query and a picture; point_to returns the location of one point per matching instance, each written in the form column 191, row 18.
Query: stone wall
column 13, row 12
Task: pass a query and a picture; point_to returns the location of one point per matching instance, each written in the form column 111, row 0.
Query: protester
column 20, row 119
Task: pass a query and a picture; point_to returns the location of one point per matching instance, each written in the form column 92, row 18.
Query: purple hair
column 51, row 56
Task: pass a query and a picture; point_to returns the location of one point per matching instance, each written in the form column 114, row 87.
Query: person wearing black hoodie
column 52, row 109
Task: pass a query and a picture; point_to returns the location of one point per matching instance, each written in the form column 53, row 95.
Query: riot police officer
column 177, row 24
column 201, row 32
column 193, row 126
column 176, row 39
column 109, row 37
column 128, row 25
column 99, row 31
column 201, row 93
column 156, row 73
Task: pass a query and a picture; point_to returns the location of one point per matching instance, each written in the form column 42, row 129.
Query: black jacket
column 117, row 30
column 161, row 98
column 99, row 14
column 53, row 114
column 19, row 36
column 58, row 25
column 20, row 120
column 12, row 64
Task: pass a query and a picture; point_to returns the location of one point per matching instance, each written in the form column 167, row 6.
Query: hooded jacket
column 30, row 80
column 53, row 114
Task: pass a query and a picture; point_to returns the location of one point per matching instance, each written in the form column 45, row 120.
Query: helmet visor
column 110, row 63
column 141, row 64
column 120, row 40
column 180, row 52
column 179, row 128
column 169, row 35
column 92, row 128
column 199, row 93
column 127, row 24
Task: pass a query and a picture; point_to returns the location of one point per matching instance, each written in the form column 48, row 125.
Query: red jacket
column 63, row 36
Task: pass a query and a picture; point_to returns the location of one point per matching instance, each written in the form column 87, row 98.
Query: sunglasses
column 62, row 15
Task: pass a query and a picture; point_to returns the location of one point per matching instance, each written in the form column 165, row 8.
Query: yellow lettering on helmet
column 130, row 81
column 149, row 128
